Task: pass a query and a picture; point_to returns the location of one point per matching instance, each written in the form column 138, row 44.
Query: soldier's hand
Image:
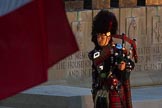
column 122, row 65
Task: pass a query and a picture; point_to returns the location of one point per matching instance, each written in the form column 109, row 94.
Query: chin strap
column 131, row 42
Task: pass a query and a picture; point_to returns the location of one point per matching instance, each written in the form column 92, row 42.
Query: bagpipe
column 132, row 43
column 132, row 53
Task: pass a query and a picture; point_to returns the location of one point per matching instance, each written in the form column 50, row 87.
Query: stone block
column 96, row 4
column 123, row 3
column 149, row 2
column 51, row 97
column 153, row 2
column 73, row 5
column 56, row 96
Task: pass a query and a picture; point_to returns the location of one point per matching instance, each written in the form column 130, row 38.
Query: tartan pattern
column 118, row 100
column 127, row 92
column 115, row 98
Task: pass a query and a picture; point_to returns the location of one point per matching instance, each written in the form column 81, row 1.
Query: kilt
column 113, row 98
column 117, row 99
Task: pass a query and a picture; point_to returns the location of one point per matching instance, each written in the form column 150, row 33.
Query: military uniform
column 111, row 86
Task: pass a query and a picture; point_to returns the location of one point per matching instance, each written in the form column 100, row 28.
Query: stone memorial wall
column 142, row 23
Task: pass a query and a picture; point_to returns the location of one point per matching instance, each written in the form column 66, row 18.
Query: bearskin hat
column 103, row 22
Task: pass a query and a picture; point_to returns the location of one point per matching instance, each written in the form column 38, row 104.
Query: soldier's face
column 103, row 39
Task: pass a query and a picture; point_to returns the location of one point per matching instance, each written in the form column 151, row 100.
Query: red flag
column 61, row 41
column 32, row 38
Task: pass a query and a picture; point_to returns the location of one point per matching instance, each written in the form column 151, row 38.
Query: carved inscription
column 77, row 66
column 148, row 67
column 132, row 29
column 157, row 30
column 149, row 59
